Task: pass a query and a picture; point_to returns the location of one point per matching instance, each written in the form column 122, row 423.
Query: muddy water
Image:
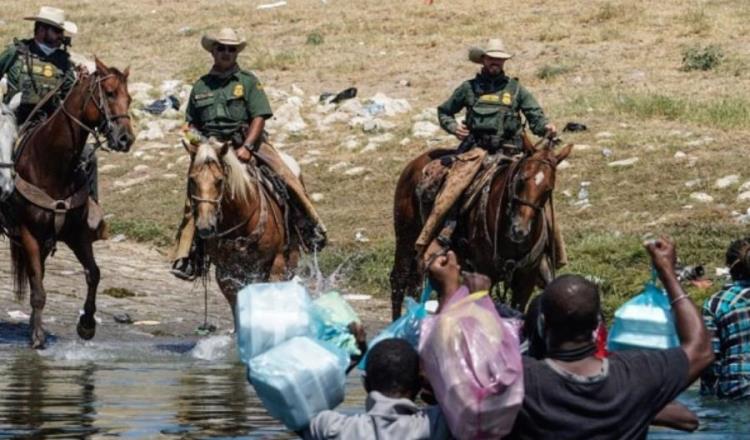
column 159, row 389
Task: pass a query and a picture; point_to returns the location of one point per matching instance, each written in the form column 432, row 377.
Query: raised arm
column 694, row 338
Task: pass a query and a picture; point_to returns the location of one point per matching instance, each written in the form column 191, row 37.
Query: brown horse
column 242, row 224
column 504, row 238
column 50, row 202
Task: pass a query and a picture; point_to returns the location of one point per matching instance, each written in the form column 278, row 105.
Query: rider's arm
column 6, row 60
column 447, row 110
column 532, row 112
column 259, row 109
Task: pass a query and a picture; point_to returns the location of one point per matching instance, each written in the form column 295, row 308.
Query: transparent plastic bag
column 472, row 359
column 644, row 322
column 407, row 327
column 299, row 378
column 333, row 315
column 271, row 313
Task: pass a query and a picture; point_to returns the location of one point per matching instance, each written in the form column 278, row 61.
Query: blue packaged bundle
column 333, row 315
column 271, row 313
column 299, row 378
column 645, row 321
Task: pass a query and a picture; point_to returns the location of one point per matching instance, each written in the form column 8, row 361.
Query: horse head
column 108, row 110
column 216, row 176
column 8, row 135
column 531, row 186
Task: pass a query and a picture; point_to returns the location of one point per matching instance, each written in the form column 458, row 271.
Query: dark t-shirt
column 620, row 403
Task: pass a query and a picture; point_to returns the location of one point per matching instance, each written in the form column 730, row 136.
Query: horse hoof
column 37, row 343
column 86, row 332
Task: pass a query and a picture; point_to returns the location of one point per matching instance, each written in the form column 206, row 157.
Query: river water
column 178, row 389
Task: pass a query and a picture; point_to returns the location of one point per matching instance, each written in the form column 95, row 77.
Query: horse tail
column 18, row 267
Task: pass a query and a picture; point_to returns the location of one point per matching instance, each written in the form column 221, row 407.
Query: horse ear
column 100, row 67
column 126, row 72
column 528, row 146
column 190, row 147
column 562, row 154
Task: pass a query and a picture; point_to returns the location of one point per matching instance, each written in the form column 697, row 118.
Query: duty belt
column 494, row 142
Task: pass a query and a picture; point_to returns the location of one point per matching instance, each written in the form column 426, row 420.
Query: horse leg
column 404, row 276
column 229, row 290
column 32, row 259
column 278, row 268
column 84, row 252
column 522, row 285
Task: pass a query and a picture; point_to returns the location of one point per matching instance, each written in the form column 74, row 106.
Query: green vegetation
column 549, row 71
column 701, row 58
column 314, row 38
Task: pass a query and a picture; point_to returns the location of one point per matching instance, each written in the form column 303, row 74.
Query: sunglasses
column 228, row 49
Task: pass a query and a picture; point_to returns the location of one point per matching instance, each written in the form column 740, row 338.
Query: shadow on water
column 17, row 333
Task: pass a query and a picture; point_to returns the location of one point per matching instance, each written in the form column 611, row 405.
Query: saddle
column 436, row 171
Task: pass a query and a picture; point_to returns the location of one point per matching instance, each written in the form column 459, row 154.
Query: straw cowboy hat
column 54, row 17
column 225, row 36
column 495, row 48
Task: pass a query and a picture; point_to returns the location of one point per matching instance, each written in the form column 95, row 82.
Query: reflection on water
column 169, row 390
column 173, row 389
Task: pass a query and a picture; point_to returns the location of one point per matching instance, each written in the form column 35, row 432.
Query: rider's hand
column 551, row 130
column 663, row 255
column 243, row 154
column 461, row 131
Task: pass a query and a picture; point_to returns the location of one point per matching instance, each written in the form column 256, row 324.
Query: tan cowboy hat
column 225, row 36
column 54, row 17
column 494, row 48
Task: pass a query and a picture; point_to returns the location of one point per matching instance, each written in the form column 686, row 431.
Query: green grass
column 142, row 230
column 549, row 71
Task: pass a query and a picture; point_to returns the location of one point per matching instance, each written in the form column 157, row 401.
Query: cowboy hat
column 495, row 48
column 54, row 17
column 225, row 36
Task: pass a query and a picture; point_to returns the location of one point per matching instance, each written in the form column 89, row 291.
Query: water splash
column 214, row 348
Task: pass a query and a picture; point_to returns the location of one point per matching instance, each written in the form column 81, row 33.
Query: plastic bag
column 298, row 379
column 333, row 315
column 406, row 327
column 271, row 313
column 472, row 359
column 645, row 321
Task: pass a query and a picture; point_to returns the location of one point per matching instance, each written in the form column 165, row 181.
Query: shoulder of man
column 249, row 79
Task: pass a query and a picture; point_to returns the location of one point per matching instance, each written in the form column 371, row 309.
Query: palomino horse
column 242, row 224
column 50, row 202
column 504, row 238
column 8, row 134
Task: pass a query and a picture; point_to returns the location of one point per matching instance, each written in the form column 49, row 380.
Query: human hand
column 663, row 254
column 461, row 131
column 476, row 282
column 243, row 154
column 444, row 272
column 551, row 130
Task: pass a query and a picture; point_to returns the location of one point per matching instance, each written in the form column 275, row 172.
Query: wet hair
column 393, row 369
column 571, row 307
column 738, row 259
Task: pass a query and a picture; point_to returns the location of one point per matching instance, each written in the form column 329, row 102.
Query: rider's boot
column 191, row 267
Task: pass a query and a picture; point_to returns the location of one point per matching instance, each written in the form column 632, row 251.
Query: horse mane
column 237, row 179
column 8, row 131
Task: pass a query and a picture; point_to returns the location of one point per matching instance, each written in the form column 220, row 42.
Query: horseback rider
column 494, row 103
column 41, row 70
column 229, row 104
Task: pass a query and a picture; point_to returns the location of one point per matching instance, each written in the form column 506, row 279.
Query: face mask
column 46, row 49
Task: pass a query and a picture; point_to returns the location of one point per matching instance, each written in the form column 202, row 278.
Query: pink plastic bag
column 473, row 362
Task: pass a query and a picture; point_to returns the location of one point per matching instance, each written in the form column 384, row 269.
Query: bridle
column 106, row 126
column 520, row 177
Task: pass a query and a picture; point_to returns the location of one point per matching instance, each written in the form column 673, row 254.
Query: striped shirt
column 727, row 317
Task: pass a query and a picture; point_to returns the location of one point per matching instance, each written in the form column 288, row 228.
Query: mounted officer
column 229, row 104
column 494, row 103
column 41, row 70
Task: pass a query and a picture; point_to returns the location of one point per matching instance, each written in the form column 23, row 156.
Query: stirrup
column 184, row 269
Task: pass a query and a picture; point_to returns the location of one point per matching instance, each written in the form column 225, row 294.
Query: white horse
column 8, row 135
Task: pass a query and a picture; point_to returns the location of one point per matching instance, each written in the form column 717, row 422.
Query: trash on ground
column 574, row 126
column 160, row 105
column 19, row 315
column 122, row 318
column 272, row 5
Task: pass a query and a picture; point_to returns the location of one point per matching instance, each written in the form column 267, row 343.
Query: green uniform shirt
column 222, row 105
column 29, row 71
column 467, row 95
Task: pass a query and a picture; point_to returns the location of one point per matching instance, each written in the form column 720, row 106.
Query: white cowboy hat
column 495, row 48
column 225, row 36
column 54, row 17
